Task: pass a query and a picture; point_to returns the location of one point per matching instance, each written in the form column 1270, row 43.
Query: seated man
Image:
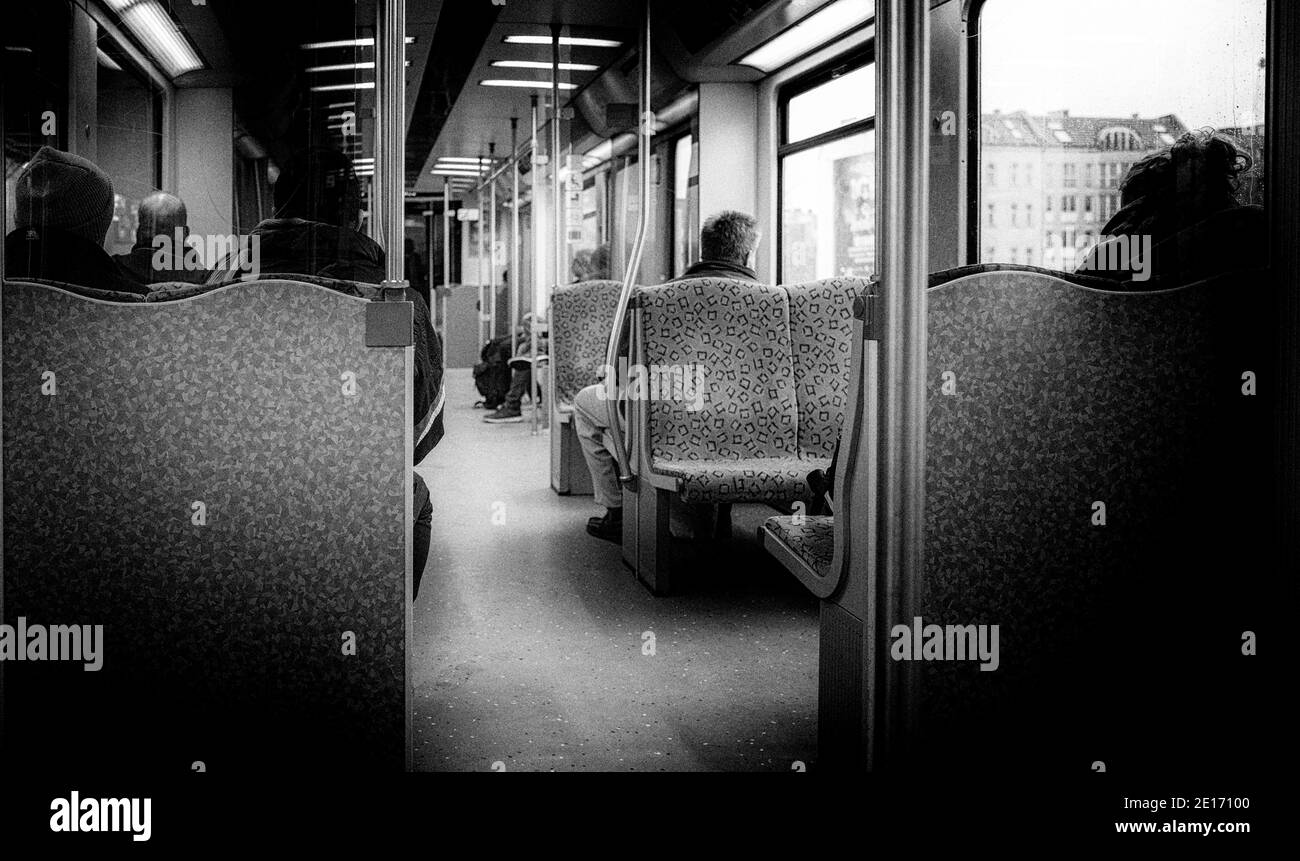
column 728, row 249
column 1179, row 216
column 63, row 207
column 156, row 255
column 589, row 264
column 521, row 374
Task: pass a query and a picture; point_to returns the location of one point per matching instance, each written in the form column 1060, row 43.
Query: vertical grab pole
column 446, row 257
column 514, row 226
column 539, row 275
column 482, row 255
column 902, row 92
column 390, row 177
column 557, row 201
column 492, row 249
column 647, row 128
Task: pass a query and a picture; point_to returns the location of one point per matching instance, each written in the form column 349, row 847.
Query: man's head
column 159, row 215
column 731, row 236
column 318, row 184
column 66, row 192
column 1195, row 177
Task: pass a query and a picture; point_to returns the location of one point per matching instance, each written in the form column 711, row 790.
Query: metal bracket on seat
column 390, row 317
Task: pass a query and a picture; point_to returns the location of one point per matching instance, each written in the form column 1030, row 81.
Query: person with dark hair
column 159, row 253
column 314, row 231
column 63, row 207
column 728, row 249
column 1179, row 216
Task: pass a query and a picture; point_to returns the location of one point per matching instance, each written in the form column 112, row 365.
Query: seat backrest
column 821, row 326
column 582, row 316
column 223, row 482
column 734, row 336
column 1082, row 449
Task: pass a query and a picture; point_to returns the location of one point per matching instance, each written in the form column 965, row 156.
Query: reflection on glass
column 128, row 138
column 1069, row 110
column 828, row 220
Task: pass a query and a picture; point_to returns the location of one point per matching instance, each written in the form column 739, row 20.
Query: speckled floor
column 529, row 633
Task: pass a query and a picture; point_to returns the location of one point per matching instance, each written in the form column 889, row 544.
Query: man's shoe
column 609, row 527
column 503, row 416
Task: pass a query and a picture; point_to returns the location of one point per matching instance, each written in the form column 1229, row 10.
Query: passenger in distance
column 728, row 249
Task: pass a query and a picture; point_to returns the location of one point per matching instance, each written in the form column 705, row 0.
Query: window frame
column 830, row 70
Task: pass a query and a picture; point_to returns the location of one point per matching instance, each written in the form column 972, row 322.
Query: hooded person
column 63, row 207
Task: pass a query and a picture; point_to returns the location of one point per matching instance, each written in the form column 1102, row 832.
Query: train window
column 839, row 102
column 686, row 203
column 128, row 133
column 1065, row 112
column 828, row 175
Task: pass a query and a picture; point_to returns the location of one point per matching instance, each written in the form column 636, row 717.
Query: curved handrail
column 634, row 262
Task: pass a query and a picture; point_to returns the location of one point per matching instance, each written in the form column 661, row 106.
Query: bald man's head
column 159, row 215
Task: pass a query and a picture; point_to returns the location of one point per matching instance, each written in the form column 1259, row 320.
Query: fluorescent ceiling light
column 355, row 85
column 810, row 33
column 455, row 171
column 458, row 159
column 578, row 41
column 536, row 85
column 106, row 61
column 344, row 67
column 149, row 22
column 333, row 105
column 540, row 64
column 345, row 43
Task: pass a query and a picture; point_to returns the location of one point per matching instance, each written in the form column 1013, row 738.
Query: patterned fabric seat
column 757, row 479
column 821, row 325
column 733, row 337
column 582, row 316
column 813, row 541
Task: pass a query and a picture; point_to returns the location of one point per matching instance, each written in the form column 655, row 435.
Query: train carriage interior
column 644, row 385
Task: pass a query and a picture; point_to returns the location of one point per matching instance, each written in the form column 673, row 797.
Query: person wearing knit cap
column 63, row 206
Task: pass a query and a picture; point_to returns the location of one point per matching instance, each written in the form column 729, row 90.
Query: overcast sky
column 1194, row 58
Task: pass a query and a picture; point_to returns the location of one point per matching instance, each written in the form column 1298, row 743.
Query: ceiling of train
column 693, row 41
column 255, row 47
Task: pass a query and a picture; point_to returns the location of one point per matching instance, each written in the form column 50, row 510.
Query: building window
column 1087, row 206
column 1070, row 175
column 1015, row 215
column 991, row 175
column 992, row 219
column 827, row 174
column 1029, row 215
